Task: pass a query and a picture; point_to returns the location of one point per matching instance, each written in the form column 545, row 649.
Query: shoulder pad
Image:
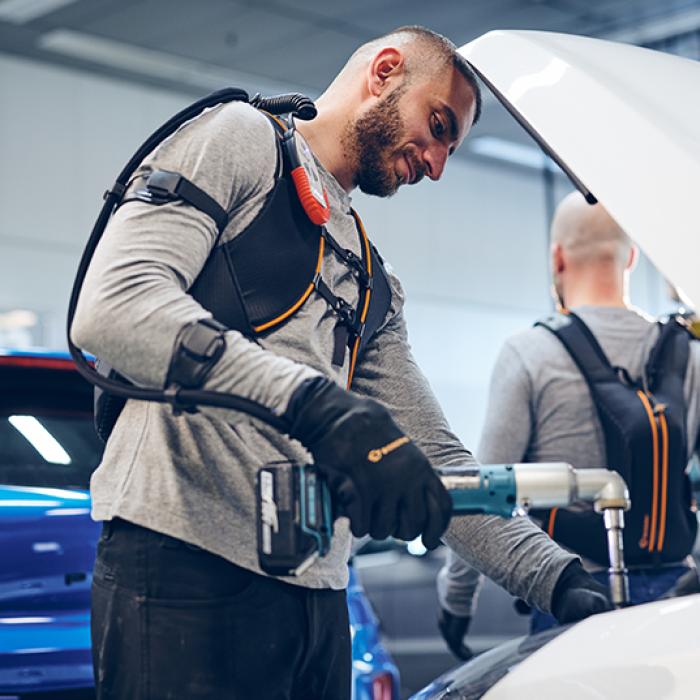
column 555, row 321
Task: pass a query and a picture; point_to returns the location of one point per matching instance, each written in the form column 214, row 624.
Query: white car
column 624, row 123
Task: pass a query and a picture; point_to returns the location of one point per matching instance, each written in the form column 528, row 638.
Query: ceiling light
column 21, row 11
column 40, row 439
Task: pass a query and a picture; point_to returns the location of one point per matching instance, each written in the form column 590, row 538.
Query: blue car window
column 48, row 451
column 47, row 438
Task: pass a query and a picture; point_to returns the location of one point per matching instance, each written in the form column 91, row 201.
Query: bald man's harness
column 646, row 442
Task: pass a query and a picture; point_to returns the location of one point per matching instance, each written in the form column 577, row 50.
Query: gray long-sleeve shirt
column 192, row 476
column 540, row 410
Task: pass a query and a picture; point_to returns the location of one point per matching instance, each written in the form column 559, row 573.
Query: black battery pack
column 293, row 517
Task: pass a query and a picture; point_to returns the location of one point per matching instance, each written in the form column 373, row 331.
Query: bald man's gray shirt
column 193, row 476
column 540, row 409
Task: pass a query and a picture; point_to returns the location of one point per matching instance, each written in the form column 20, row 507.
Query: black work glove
column 453, row 628
column 687, row 584
column 379, row 479
column 577, row 595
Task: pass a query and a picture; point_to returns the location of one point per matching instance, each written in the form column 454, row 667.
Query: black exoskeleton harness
column 258, row 280
column 644, row 424
column 261, row 278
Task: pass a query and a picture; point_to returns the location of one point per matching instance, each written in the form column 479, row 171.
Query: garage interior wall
column 471, row 250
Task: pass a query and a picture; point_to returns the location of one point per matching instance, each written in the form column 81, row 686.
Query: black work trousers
column 170, row 620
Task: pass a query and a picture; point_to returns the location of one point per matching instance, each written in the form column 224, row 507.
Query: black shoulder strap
column 163, row 186
column 581, row 344
column 374, row 285
column 380, row 300
column 670, row 352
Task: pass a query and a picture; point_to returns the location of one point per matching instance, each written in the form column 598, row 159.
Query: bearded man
column 181, row 607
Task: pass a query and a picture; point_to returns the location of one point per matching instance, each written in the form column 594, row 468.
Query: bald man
column 591, row 256
column 540, row 408
column 181, row 607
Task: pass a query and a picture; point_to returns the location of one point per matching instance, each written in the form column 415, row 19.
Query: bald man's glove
column 577, row 595
column 378, row 478
column 687, row 584
column 453, row 628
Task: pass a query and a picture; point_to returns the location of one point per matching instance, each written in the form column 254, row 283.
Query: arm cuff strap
column 198, row 347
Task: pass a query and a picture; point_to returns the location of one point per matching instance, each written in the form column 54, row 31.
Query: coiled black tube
column 295, row 103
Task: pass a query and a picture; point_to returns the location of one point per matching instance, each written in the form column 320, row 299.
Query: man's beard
column 371, row 141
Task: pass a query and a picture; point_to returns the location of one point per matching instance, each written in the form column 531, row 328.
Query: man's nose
column 435, row 158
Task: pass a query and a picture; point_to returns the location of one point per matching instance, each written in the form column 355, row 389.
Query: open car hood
column 623, row 122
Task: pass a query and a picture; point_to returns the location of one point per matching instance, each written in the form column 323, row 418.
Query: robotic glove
column 453, row 628
column 577, row 595
column 379, row 479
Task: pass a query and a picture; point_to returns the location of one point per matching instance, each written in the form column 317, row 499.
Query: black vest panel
column 256, row 281
column 644, row 425
column 261, row 273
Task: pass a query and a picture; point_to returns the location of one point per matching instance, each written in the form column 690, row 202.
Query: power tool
column 295, row 510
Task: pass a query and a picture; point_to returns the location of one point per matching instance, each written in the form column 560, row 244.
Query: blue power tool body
column 295, row 512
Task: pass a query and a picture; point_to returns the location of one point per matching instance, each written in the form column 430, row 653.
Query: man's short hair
column 434, row 51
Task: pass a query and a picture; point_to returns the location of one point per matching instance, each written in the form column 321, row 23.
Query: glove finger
column 443, row 497
column 384, row 519
column 412, row 515
column 439, row 512
column 352, row 506
column 358, row 524
column 580, row 603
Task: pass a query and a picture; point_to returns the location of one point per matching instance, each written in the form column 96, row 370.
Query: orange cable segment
column 644, row 541
column 664, row 480
column 550, row 524
column 299, row 302
column 655, row 447
column 277, row 119
column 365, row 308
column 353, row 360
column 368, row 258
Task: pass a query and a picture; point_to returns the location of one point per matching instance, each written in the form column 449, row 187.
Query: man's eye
column 438, row 127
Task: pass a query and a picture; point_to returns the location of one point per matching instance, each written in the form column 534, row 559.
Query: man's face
column 410, row 132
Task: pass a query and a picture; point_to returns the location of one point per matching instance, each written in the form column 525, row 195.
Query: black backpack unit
column 644, row 424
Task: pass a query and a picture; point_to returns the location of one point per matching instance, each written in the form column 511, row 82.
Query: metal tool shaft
column 614, row 520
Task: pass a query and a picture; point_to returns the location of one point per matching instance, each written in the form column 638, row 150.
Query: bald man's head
column 588, row 234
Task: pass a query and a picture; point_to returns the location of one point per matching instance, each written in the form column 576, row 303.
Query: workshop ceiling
column 282, row 44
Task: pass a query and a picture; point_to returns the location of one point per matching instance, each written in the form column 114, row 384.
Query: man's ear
column 384, row 69
column 558, row 262
column 632, row 258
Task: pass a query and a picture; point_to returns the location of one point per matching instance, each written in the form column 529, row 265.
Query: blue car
column 48, row 449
